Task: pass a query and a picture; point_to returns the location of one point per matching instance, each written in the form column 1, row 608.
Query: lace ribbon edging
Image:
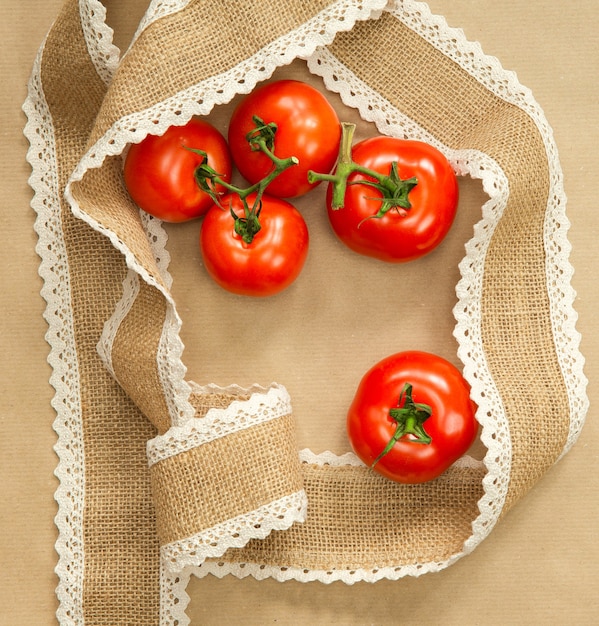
column 54, row 270
column 262, row 406
column 221, row 569
column 280, row 514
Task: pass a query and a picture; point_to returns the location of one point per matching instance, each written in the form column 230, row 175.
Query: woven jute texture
column 209, row 491
column 355, row 520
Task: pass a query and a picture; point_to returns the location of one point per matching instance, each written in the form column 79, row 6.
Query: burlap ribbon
column 224, row 468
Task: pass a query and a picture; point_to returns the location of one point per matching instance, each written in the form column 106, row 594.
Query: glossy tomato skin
column 307, row 128
column 159, row 171
column 397, row 236
column 452, row 424
column 267, row 265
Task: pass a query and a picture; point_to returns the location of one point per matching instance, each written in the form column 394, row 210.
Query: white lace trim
column 350, row 459
column 111, row 327
column 349, row 577
column 54, row 271
column 280, row 514
column 261, row 407
column 172, row 370
column 329, row 458
column 158, row 238
column 173, row 597
column 98, row 38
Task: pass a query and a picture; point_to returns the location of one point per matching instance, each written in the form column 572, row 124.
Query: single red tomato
column 399, row 234
column 270, row 262
column 412, row 417
column 159, row 171
column 307, row 127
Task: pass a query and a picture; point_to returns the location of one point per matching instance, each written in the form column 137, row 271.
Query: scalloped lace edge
column 262, row 406
column 98, row 38
column 349, row 459
column 174, row 598
column 349, row 577
column 213, row 542
column 64, row 378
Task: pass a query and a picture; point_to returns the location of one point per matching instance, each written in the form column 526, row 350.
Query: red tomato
column 267, row 265
column 451, row 426
column 307, row 128
column 159, row 171
column 400, row 234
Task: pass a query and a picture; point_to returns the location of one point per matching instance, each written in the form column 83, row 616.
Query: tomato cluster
column 388, row 198
column 253, row 241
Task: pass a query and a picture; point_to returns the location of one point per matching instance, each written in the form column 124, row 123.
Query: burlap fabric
column 162, row 478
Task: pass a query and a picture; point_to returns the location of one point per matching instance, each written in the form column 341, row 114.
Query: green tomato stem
column 393, row 189
column 261, row 139
column 409, row 420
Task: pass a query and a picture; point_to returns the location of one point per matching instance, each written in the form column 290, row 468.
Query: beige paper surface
column 547, row 540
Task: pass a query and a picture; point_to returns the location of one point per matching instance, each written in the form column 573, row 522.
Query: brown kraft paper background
column 98, row 258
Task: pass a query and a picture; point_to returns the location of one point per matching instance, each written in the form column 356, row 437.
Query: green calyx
column 394, row 192
column 248, row 225
column 262, row 136
column 260, row 139
column 409, row 417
